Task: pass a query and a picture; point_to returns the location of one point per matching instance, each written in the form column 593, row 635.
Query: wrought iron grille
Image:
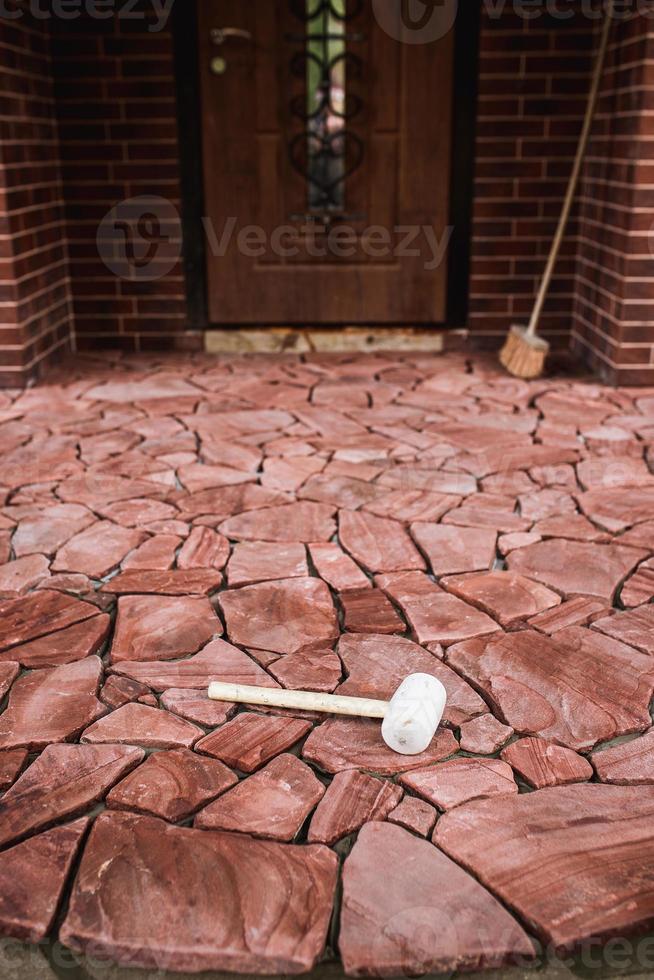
column 326, row 151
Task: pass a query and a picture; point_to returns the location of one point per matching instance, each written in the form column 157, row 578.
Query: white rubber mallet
column 411, row 717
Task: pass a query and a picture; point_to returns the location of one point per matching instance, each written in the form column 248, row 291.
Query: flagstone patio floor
column 331, row 523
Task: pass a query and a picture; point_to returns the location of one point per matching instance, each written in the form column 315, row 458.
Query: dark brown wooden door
column 326, row 191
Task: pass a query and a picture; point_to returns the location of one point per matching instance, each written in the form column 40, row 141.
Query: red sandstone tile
column 572, row 687
column 118, row 691
column 376, row 543
column 33, row 876
column 451, row 783
column 162, row 627
column 600, row 472
column 203, row 548
column 308, row 670
column 260, row 561
column 175, row 582
column 139, row 512
column 200, row 476
column 484, row 735
column 352, row 799
column 12, row 763
column 304, row 521
column 290, row 473
column 76, row 776
column 574, row 612
column 641, row 536
column 635, row 627
column 172, row 785
column 97, row 490
column 68, row 691
column 285, row 616
column 451, row 550
column 337, row 568
column 415, row 815
column 273, row 803
column 20, row 576
column 398, row 923
column 618, row 508
column 49, row 529
column 519, row 539
column 8, row 673
column 339, row 744
column 250, row 740
column 369, row 611
column 413, row 505
column 39, row 614
column 639, row 588
column 223, row 502
column 543, row 763
column 485, row 510
column 140, row 724
column 218, row 660
column 149, row 863
column 628, row 764
column 509, row 598
column 98, row 549
column 533, row 832
column 65, row 646
column 195, row 706
column 542, row 504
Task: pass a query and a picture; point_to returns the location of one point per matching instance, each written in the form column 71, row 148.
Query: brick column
column 35, row 314
column 614, row 308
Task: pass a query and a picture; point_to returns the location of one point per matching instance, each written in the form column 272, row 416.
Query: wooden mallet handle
column 274, row 697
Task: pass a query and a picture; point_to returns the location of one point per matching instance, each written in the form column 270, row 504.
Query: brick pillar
column 613, row 323
column 35, row 314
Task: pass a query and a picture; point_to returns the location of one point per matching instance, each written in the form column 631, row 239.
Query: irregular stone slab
column 415, row 815
column 52, row 705
column 283, row 617
column 409, row 477
column 541, row 505
column 195, row 706
column 484, row 735
column 413, row 505
column 340, row 491
column 162, row 628
column 139, row 724
column 45, row 532
column 506, row 596
column 352, row 799
column 19, row 576
column 543, row 763
column 377, row 543
column 377, row 665
column 455, row 782
column 175, row 582
column 157, row 386
column 576, row 687
column 309, row 670
column 512, row 844
column 435, row 616
column 65, row 780
column 451, row 550
column 98, row 549
column 356, row 743
column 575, row 568
column 63, row 647
column 218, row 660
column 138, row 512
column 12, row 763
column 118, row 691
column 635, row 627
column 155, row 554
column 203, row 548
column 39, row 614
column 576, row 527
column 259, row 561
column 639, row 589
column 273, row 803
column 369, row 611
column 337, row 568
column 200, row 476
column 628, row 764
column 613, row 471
column 9, row 671
column 33, row 875
column 172, row 785
column 304, row 521
column 640, row 536
column 487, row 510
column 618, row 508
column 132, row 864
column 250, row 740
column 574, row 612
column 422, row 915
column 224, row 502
column 520, row 539
column 290, row 473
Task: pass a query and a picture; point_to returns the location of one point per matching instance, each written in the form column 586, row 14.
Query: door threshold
column 304, row 340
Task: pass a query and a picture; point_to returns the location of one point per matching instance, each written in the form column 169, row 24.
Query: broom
column 524, row 352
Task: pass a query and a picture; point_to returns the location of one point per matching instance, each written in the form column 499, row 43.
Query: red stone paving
column 324, row 522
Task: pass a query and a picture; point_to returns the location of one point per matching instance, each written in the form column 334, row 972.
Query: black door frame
column 189, row 121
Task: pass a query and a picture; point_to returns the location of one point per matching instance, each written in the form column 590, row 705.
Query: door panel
column 363, row 259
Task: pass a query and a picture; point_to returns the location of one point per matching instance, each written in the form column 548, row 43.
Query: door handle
column 221, row 34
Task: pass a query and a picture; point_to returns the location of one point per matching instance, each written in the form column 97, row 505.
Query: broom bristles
column 524, row 356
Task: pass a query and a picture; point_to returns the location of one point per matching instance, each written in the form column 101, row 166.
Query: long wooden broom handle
column 574, row 176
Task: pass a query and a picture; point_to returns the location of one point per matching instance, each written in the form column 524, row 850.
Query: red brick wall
column 614, row 307
column 533, row 79
column 114, row 82
column 35, row 314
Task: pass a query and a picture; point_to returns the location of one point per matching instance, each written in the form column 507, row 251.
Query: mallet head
column 414, row 713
